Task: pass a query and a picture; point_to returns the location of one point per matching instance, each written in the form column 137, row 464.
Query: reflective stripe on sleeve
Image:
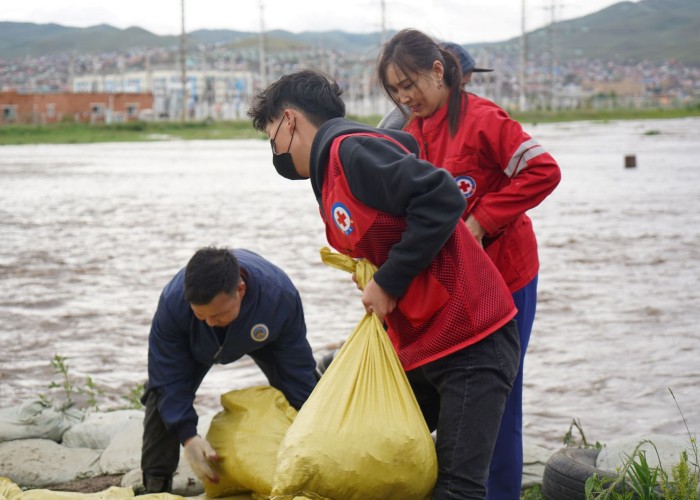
column 526, row 151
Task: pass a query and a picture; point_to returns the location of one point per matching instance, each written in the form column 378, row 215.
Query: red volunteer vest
column 455, row 302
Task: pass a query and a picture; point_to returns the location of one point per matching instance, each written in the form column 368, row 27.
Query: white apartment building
column 220, row 95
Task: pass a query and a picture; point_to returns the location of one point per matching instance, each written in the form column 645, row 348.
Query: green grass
column 74, row 133
column 604, row 115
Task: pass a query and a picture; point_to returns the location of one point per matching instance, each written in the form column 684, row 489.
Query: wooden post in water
column 630, row 161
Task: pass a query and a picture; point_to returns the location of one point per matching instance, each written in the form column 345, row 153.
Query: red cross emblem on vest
column 466, row 185
column 342, row 218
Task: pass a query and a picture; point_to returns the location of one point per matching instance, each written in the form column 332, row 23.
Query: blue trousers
column 506, row 471
column 462, row 396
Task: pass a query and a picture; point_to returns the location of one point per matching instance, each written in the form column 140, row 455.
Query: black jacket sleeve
column 382, row 175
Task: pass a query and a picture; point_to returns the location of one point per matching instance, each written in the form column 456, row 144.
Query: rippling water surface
column 89, row 235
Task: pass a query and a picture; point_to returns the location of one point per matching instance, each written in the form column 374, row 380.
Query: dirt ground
column 89, row 485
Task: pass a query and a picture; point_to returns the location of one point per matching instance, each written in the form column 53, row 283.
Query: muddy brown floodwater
column 89, row 234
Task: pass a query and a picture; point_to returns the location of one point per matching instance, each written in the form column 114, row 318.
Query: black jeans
column 462, row 396
column 160, row 450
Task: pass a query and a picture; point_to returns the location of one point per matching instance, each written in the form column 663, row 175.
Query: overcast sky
column 463, row 21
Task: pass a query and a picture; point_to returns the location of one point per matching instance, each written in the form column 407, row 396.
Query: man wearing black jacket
column 448, row 311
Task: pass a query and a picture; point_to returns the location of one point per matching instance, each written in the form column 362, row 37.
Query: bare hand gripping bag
column 361, row 434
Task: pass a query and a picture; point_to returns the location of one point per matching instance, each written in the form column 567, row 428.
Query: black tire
column 323, row 363
column 566, row 472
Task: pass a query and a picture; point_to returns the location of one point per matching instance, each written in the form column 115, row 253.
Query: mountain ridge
column 656, row 30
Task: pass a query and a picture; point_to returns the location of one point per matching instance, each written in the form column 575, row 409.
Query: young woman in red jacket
column 502, row 173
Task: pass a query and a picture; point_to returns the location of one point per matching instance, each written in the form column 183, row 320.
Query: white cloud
column 464, row 21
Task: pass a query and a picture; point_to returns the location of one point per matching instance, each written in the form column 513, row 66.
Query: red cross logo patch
column 466, row 185
column 342, row 218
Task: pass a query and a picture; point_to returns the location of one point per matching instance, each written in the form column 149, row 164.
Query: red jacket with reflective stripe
column 501, row 171
column 459, row 299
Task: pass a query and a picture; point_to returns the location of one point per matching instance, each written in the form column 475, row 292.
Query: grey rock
column 124, row 450
column 615, row 453
column 36, row 419
column 38, row 463
column 534, row 461
column 97, row 429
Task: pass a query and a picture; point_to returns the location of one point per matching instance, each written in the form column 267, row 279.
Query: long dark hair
column 412, row 52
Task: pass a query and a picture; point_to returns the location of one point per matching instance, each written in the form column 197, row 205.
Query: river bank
column 83, row 133
column 50, row 452
column 42, row 447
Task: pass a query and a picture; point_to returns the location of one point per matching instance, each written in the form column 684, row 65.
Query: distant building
column 625, row 93
column 220, row 95
column 97, row 107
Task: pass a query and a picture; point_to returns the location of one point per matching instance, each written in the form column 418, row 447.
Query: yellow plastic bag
column 246, row 436
column 112, row 493
column 9, row 490
column 361, row 434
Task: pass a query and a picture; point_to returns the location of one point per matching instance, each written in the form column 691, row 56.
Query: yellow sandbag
column 113, row 493
column 9, row 490
column 204, row 496
column 246, row 435
column 361, row 434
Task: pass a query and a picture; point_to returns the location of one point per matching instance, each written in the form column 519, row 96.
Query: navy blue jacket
column 270, row 328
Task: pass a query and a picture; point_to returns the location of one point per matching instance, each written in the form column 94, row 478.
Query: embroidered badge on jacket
column 259, row 332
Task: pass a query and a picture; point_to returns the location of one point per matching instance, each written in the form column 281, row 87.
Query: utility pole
column 71, row 73
column 522, row 101
column 183, row 64
column 552, row 56
column 263, row 61
column 383, row 27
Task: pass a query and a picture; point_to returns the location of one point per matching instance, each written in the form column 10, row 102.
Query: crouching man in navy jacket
column 223, row 305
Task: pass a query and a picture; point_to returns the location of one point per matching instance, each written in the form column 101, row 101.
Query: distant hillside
column 655, row 30
column 337, row 40
column 27, row 39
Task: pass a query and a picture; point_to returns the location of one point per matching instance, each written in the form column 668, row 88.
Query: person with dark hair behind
column 223, row 305
column 447, row 308
column 502, row 173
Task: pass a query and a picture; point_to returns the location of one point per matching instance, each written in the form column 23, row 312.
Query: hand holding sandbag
column 377, row 301
column 200, row 454
column 374, row 298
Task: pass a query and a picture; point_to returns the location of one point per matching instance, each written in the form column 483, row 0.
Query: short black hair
column 312, row 93
column 209, row 272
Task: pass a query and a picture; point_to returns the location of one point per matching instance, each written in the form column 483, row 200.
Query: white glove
column 200, row 454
